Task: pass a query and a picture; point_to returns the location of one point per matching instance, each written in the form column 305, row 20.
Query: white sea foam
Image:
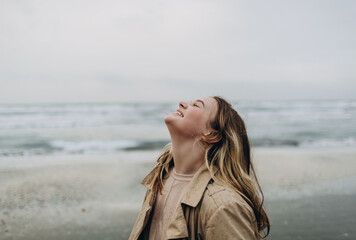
column 93, row 146
column 82, row 128
column 330, row 143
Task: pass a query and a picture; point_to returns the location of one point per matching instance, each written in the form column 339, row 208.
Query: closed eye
column 194, row 103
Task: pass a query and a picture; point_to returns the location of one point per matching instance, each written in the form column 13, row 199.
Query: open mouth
column 179, row 113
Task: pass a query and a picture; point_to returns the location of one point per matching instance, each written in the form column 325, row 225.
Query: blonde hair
column 228, row 159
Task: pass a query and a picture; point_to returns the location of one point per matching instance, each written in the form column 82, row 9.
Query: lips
column 180, row 113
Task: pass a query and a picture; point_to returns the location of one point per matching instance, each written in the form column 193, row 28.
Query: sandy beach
column 309, row 194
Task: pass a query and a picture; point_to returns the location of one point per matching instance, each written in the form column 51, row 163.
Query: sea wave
column 62, row 147
column 42, row 147
column 86, row 128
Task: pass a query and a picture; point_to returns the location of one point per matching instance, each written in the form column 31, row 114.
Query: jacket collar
column 195, row 188
column 193, row 193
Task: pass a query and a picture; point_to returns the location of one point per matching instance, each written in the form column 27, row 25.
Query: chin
column 168, row 119
column 171, row 123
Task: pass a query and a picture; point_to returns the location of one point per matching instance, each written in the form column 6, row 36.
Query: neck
column 188, row 155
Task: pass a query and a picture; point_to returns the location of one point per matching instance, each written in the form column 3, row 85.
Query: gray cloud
column 167, row 50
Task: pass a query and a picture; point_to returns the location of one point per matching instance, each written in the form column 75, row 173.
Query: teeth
column 179, row 114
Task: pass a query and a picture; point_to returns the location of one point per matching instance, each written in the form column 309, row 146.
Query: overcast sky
column 98, row 51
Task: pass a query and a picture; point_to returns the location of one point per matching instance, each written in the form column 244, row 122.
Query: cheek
column 197, row 121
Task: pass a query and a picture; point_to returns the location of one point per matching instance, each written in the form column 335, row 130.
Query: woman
column 204, row 185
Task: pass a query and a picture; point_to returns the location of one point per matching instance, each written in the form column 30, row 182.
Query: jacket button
column 211, row 181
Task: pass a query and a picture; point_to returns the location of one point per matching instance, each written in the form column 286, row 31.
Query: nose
column 183, row 104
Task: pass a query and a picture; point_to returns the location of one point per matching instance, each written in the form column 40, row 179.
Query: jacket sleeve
column 231, row 221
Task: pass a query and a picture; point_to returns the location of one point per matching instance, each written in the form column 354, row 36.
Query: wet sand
column 309, row 194
column 327, row 217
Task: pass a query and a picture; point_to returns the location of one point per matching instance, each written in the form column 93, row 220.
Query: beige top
column 167, row 203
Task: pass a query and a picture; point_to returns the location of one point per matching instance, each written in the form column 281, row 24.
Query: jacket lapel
column 196, row 188
column 178, row 228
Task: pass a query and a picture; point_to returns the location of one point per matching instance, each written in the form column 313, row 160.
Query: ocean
column 101, row 128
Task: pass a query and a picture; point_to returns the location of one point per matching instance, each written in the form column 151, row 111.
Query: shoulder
column 225, row 211
column 216, row 196
column 219, row 198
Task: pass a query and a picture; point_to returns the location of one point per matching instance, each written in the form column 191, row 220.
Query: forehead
column 211, row 106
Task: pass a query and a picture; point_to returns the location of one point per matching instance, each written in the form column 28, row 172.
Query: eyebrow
column 201, row 102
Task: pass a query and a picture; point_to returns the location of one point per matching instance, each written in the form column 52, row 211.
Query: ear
column 212, row 137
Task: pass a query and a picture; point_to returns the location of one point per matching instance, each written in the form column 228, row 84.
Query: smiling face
column 193, row 118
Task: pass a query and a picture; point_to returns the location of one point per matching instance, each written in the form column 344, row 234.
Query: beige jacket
column 207, row 211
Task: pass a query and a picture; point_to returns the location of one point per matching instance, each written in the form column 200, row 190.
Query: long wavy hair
column 228, row 159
